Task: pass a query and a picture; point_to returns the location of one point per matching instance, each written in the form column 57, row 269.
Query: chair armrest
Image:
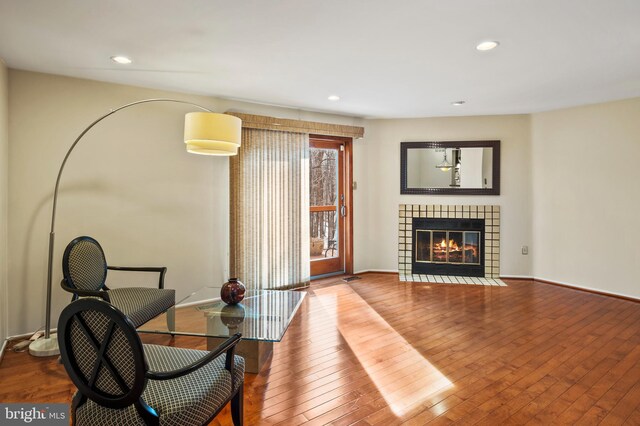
column 226, row 346
column 104, row 295
column 159, row 269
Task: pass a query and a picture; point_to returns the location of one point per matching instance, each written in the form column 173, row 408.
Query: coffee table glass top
column 262, row 315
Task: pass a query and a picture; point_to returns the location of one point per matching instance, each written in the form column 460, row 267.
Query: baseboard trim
column 587, row 289
column 24, row 336
column 27, row 335
column 376, row 271
column 10, row 339
column 4, row 346
column 517, row 277
column 329, row 275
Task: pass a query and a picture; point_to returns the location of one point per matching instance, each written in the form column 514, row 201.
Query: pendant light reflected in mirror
column 445, row 165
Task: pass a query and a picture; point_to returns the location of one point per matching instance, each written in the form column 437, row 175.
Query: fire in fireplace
column 448, row 247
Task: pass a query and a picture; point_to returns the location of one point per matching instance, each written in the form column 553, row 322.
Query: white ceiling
column 406, row 58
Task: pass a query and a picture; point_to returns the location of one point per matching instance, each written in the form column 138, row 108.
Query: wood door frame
column 334, row 264
column 347, row 142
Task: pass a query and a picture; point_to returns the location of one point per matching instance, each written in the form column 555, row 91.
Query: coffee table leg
column 171, row 320
column 255, row 353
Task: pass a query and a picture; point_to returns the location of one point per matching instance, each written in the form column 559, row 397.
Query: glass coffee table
column 262, row 317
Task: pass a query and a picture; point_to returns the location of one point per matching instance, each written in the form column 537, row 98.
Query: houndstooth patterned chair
column 120, row 381
column 85, row 271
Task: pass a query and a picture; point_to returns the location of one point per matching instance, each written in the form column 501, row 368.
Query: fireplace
column 448, row 247
column 461, row 248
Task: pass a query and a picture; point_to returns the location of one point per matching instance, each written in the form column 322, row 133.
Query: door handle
column 343, row 211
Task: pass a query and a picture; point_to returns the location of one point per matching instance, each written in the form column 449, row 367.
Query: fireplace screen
column 459, row 247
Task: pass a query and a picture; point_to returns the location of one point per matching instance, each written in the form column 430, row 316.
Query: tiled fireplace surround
column 491, row 215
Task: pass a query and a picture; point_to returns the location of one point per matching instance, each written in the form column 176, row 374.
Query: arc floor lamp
column 205, row 133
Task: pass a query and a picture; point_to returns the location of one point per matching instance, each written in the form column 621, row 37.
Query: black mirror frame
column 495, row 190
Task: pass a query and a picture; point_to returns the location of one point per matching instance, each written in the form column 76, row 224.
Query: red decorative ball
column 232, row 291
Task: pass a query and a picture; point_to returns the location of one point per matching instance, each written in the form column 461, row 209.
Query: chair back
column 84, row 265
column 102, row 353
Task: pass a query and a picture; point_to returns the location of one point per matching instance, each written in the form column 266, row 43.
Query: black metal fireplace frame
column 449, row 224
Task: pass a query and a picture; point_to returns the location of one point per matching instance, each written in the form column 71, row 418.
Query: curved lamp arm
column 47, row 331
column 90, row 126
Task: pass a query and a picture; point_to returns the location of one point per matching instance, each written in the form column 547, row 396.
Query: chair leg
column 148, row 414
column 76, row 402
column 237, row 409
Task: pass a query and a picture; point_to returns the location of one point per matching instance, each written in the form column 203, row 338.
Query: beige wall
column 129, row 183
column 586, row 198
column 382, row 182
column 4, row 176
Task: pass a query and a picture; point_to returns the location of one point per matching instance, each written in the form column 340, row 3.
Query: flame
column 452, row 245
column 440, row 249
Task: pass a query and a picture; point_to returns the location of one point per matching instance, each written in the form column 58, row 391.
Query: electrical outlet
column 525, row 249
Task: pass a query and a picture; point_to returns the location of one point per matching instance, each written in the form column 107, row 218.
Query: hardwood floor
column 378, row 351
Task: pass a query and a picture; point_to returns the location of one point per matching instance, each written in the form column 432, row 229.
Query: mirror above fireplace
column 454, row 167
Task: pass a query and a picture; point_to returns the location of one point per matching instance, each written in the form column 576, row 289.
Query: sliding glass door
column 327, row 206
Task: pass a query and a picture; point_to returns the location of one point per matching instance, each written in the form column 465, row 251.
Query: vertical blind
column 270, row 210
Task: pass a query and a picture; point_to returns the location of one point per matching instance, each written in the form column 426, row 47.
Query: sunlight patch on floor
column 402, row 375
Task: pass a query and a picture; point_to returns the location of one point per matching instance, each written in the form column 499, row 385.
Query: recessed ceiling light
column 334, row 98
column 121, row 60
column 458, row 103
column 487, row 45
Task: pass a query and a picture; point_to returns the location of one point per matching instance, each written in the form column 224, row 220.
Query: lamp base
column 45, row 347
